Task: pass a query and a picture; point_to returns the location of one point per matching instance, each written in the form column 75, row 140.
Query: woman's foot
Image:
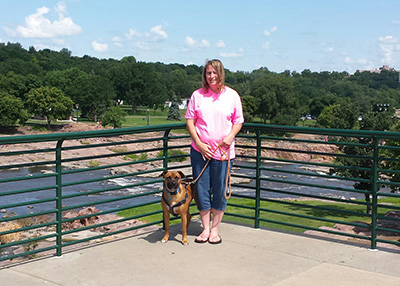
column 202, row 238
column 216, row 239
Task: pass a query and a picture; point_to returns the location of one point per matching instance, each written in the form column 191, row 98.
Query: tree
column 174, row 113
column 340, row 116
column 11, row 110
column 113, row 117
column 277, row 97
column 49, row 102
column 137, row 84
column 371, row 121
column 250, row 106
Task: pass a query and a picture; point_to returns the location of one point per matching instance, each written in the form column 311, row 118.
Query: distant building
column 382, row 68
column 182, row 105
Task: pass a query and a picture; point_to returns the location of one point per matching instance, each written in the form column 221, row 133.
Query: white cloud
column 231, row 55
column 98, row 47
column 38, row 26
column 265, row 45
column 388, row 45
column 361, row 61
column 348, row 60
column 144, row 46
column 220, row 44
column 205, row 43
column 61, row 8
column 159, row 32
column 132, row 33
column 330, row 49
column 190, row 41
column 268, row 32
column 118, row 41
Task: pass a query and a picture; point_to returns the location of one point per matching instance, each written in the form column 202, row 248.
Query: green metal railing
column 45, row 188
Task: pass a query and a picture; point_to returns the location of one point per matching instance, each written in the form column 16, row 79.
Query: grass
column 330, row 211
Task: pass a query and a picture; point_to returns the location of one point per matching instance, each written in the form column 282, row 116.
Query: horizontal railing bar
column 32, row 164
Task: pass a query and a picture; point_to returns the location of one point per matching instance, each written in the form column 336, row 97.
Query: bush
column 173, row 152
column 136, row 157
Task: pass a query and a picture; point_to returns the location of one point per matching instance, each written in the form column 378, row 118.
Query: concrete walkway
column 246, row 257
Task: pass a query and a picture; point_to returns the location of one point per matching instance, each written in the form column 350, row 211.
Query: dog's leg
column 189, row 218
column 166, row 226
column 184, row 218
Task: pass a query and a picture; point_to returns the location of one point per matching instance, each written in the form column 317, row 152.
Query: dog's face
column 172, row 179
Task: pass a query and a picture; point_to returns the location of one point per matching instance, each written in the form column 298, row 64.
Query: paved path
column 246, row 257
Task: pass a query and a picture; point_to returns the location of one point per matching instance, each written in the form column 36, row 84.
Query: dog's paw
column 164, row 240
column 185, row 242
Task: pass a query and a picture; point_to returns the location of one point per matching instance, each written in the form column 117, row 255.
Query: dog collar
column 172, row 193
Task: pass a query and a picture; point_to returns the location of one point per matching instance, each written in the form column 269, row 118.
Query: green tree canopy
column 114, row 117
column 11, row 110
column 49, row 102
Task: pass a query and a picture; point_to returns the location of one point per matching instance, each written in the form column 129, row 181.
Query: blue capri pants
column 211, row 185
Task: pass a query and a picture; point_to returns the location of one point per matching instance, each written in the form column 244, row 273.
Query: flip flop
column 215, row 242
column 197, row 240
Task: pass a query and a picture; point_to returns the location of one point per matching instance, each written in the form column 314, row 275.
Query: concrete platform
column 246, row 257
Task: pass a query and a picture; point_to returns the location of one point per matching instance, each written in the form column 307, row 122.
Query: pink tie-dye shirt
column 214, row 115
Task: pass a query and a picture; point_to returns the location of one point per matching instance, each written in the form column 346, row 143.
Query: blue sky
column 320, row 35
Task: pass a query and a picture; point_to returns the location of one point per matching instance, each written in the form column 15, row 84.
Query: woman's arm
column 227, row 141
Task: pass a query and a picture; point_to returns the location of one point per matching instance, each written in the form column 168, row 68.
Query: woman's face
column 212, row 78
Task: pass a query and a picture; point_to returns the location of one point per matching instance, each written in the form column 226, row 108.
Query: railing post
column 165, row 148
column 59, row 198
column 375, row 189
column 165, row 153
column 258, row 181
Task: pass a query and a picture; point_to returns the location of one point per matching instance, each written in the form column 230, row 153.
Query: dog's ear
column 182, row 174
column 163, row 173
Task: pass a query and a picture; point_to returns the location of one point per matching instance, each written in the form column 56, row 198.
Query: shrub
column 173, row 152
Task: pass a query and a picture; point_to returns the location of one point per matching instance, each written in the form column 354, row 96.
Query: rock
column 7, row 238
column 82, row 221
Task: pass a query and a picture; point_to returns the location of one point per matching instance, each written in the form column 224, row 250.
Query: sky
column 319, row 35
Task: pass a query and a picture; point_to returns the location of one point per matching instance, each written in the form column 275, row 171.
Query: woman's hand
column 205, row 150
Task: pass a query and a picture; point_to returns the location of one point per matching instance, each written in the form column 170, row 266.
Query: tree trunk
column 134, row 108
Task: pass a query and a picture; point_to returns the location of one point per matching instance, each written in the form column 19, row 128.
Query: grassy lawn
column 305, row 210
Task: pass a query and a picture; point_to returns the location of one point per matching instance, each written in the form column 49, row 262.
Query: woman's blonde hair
column 219, row 67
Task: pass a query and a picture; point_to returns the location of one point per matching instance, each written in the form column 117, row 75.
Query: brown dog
column 176, row 198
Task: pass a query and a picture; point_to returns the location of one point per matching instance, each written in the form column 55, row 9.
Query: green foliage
column 11, row 110
column 174, row 113
column 173, row 152
column 94, row 85
column 136, row 157
column 49, row 103
column 340, row 116
column 250, row 105
column 113, row 117
column 94, row 163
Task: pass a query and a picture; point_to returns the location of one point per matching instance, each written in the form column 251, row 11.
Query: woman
column 214, row 116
